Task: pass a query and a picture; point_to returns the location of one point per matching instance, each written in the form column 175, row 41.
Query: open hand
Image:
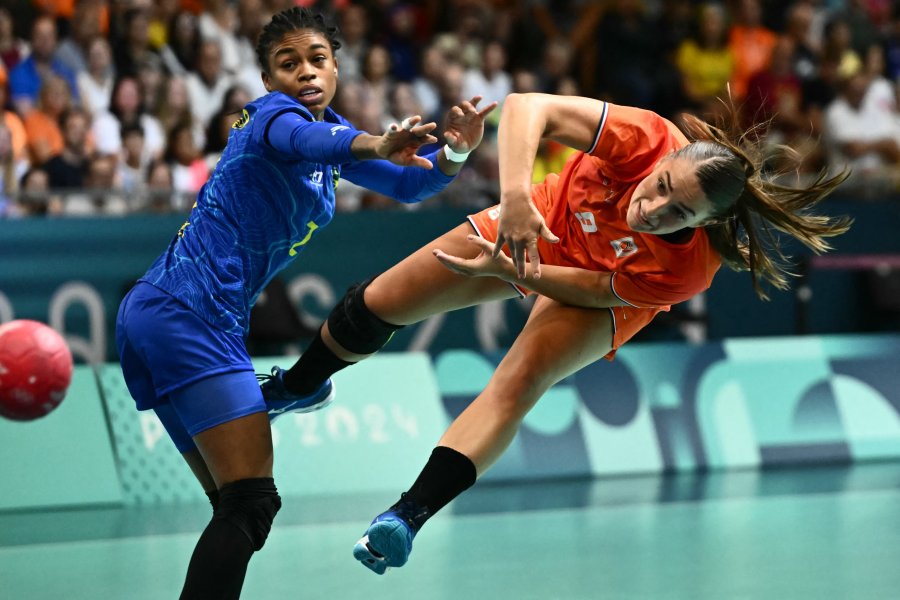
column 486, row 264
column 520, row 226
column 465, row 124
column 400, row 142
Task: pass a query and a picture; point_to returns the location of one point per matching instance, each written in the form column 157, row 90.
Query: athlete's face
column 668, row 199
column 302, row 65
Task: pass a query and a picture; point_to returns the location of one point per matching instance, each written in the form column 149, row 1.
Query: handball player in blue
column 181, row 330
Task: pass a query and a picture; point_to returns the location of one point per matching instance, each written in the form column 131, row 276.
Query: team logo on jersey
column 316, row 177
column 624, row 246
column 245, row 118
column 337, row 128
column 588, row 224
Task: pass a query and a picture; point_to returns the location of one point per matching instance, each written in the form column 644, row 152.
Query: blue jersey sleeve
column 293, row 134
column 406, row 184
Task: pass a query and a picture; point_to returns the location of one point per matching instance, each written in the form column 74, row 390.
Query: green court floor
column 820, row 533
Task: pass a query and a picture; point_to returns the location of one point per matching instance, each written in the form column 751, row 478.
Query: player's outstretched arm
column 526, row 120
column 569, row 285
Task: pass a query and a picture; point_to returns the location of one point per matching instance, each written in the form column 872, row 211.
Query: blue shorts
column 192, row 374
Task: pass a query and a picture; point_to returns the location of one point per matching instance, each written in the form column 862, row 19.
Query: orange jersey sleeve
column 630, row 141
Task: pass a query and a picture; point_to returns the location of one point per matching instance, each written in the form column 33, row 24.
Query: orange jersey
column 585, row 206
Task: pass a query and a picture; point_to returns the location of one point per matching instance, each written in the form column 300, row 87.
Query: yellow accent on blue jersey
column 312, row 227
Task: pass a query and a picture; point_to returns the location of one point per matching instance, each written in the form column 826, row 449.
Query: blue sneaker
column 279, row 400
column 388, row 540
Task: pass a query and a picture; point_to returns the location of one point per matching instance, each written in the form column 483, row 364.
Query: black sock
column 446, row 475
column 219, row 563
column 213, row 499
column 315, row 365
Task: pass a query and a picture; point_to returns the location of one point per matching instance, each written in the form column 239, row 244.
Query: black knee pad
column 250, row 505
column 357, row 328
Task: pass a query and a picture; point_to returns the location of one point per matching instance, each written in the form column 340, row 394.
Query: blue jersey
column 270, row 193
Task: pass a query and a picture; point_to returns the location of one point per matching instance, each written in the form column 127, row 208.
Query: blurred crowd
column 115, row 107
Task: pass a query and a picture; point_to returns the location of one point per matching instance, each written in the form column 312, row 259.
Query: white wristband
column 457, row 157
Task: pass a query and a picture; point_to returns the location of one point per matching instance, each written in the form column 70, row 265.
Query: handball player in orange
column 640, row 218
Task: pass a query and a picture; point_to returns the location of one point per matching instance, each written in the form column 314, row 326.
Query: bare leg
column 557, row 341
column 419, row 286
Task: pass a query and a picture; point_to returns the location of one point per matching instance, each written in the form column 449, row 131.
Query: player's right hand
column 400, row 142
column 520, row 226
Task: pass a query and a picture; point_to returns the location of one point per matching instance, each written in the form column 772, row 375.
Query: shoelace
column 413, row 514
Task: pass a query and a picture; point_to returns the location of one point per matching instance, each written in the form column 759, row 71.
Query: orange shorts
column 626, row 320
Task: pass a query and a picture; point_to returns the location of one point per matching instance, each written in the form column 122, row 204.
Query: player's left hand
column 483, row 265
column 465, row 124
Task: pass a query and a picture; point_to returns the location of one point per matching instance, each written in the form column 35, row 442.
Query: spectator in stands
column 12, row 49
column 433, row 62
column 354, row 30
column 705, row 61
column 12, row 121
column 95, row 84
column 836, row 48
column 628, row 54
column 180, row 53
column 376, row 80
column 236, row 98
column 83, row 29
column 67, row 170
column 133, row 162
column 864, row 137
column 189, row 170
column 208, row 84
column 751, row 45
column 218, row 22
column 9, row 177
column 490, row 80
column 28, row 77
column 133, row 47
column 45, row 137
column 127, row 106
column 160, row 195
column 251, row 18
column 35, row 198
column 101, row 194
column 798, row 22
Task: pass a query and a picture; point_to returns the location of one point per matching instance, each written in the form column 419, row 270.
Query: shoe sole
column 387, row 539
column 275, row 413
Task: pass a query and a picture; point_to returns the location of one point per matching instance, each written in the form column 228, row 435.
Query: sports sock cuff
column 315, row 365
column 460, row 466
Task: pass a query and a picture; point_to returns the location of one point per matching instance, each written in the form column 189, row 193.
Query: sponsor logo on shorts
column 494, row 214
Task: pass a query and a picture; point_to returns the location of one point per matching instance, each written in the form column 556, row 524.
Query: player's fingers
column 518, row 256
column 454, row 263
column 488, row 109
column 409, row 122
column 548, row 235
column 498, row 245
column 421, row 161
column 486, row 246
column 476, row 99
column 535, row 257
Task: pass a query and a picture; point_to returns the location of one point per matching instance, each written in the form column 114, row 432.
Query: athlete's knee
column 251, row 506
column 355, row 327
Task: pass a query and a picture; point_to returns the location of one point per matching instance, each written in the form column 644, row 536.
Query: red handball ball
column 35, row 369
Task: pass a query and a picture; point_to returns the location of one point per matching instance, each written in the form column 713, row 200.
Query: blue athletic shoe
column 279, row 400
column 388, row 540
